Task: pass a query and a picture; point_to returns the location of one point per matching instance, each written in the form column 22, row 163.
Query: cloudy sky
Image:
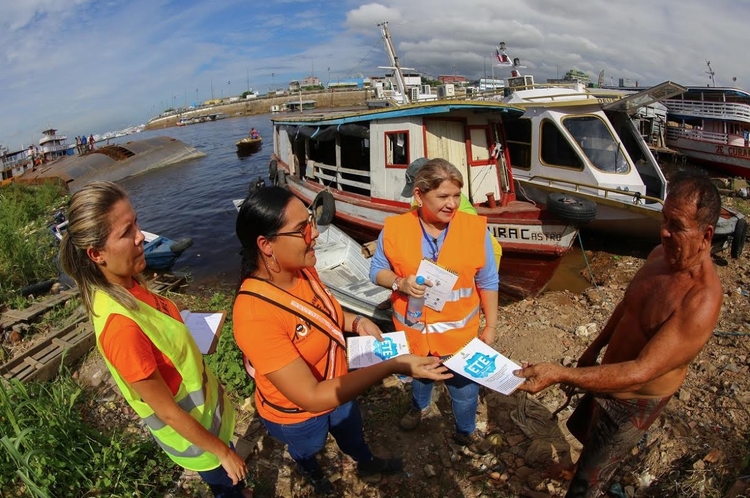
column 89, row 66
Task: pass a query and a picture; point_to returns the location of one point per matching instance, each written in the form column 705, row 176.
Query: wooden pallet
column 42, row 362
column 12, row 317
column 167, row 282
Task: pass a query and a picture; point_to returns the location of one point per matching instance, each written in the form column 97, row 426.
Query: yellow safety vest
column 200, row 394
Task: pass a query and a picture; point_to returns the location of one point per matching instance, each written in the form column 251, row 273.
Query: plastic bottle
column 415, row 306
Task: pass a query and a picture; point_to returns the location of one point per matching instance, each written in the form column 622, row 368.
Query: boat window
column 556, row 150
column 480, row 145
column 597, row 142
column 518, row 140
column 397, row 149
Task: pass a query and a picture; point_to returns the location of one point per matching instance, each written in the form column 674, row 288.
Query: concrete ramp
column 113, row 162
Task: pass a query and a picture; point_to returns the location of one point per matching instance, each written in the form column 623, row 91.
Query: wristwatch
column 396, row 282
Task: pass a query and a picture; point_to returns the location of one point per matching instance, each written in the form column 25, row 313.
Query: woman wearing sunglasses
column 291, row 329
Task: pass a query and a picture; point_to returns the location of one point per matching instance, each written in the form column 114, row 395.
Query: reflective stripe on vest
column 437, row 327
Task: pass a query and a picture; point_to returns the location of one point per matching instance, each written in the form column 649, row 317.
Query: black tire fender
column 323, row 208
column 739, row 238
column 280, row 178
column 571, row 209
column 273, row 167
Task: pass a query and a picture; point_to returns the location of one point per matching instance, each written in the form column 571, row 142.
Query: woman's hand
column 488, row 335
column 368, row 327
column 234, row 465
column 410, row 287
column 422, row 367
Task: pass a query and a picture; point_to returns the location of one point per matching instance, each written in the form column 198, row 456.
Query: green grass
column 27, row 249
column 47, row 449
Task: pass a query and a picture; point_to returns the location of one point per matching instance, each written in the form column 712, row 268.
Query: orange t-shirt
column 272, row 338
column 130, row 350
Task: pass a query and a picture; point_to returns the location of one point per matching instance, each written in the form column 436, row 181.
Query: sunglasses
column 305, row 232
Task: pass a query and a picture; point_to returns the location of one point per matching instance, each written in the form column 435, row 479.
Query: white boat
column 53, row 145
column 582, row 141
column 345, row 270
column 709, row 125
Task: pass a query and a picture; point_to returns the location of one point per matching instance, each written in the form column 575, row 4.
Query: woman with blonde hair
column 146, row 346
column 461, row 243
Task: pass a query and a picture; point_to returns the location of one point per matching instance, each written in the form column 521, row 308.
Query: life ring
column 280, row 178
column 273, row 167
column 571, row 209
column 323, row 208
column 739, row 237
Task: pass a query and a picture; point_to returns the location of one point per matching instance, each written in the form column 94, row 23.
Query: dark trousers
column 305, row 439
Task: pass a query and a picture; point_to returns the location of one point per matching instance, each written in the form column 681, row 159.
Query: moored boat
column 583, row 141
column 711, row 125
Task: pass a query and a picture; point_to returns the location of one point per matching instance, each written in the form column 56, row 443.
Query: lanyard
column 431, row 241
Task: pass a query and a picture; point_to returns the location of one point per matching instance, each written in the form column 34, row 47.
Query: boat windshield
column 597, row 142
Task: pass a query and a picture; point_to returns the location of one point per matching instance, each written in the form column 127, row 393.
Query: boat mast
column 394, row 60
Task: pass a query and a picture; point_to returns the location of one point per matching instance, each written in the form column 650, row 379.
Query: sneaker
column 382, row 466
column 414, row 416
column 318, row 481
column 475, row 442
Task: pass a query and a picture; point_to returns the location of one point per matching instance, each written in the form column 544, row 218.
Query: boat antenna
column 388, row 42
column 710, row 73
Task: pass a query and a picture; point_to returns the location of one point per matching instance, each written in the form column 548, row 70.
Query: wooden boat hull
column 532, row 245
column 734, row 159
column 248, row 145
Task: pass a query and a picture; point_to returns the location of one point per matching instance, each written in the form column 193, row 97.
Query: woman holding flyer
column 146, row 346
column 291, row 330
column 460, row 244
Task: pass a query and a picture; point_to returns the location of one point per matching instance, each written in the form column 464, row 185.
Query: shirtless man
column 667, row 315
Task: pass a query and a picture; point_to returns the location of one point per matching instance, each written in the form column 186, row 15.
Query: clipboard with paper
column 443, row 280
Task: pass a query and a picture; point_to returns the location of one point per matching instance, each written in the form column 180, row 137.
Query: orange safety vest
column 438, row 333
column 330, row 324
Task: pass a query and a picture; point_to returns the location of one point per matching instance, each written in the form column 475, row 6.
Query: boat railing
column 327, row 175
column 638, row 198
column 676, row 132
column 718, row 110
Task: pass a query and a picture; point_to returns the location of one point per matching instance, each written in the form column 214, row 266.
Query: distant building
column 628, row 83
column 572, row 76
column 490, row 84
column 294, row 86
column 349, row 83
column 310, row 81
column 453, row 78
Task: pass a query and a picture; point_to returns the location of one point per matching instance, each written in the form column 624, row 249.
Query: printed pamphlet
column 482, row 364
column 363, row 351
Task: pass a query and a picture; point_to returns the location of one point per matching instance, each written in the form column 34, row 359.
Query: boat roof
column 718, row 89
column 417, row 109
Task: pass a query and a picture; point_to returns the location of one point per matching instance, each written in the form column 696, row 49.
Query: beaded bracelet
column 355, row 323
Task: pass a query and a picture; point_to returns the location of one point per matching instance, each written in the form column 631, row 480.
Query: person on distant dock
column 667, row 315
column 148, row 349
column 84, row 146
column 78, row 144
column 91, row 142
column 254, row 133
column 746, row 135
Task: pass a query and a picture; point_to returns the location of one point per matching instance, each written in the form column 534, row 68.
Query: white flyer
column 365, row 350
column 482, row 364
column 442, row 280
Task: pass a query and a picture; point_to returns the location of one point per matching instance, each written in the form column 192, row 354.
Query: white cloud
column 88, row 66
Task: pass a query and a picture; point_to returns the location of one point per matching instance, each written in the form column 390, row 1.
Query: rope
column 723, row 333
column 591, row 274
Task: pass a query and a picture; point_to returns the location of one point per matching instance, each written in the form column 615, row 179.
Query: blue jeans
column 305, row 439
column 220, row 483
column 464, row 400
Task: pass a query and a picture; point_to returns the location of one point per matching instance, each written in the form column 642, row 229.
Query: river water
column 194, row 198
